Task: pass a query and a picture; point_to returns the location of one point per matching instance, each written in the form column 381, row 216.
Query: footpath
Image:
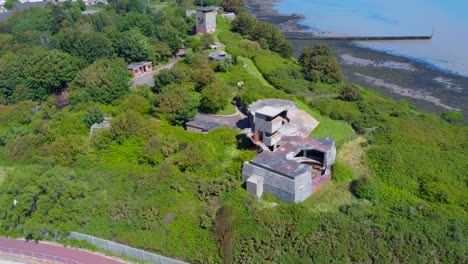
column 46, row 251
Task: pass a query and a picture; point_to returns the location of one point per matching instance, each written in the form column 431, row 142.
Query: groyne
column 296, row 36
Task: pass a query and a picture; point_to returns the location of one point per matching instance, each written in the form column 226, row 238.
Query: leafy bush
column 453, row 117
column 350, row 92
column 178, row 103
column 320, row 65
column 103, row 81
column 341, row 172
column 215, row 97
column 93, row 115
column 364, row 188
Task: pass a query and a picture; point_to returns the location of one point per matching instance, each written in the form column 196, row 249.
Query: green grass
column 330, row 197
column 156, row 4
column 253, row 70
column 2, row 174
column 228, row 110
column 338, row 130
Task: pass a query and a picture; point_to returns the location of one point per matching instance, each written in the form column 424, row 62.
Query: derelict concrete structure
column 292, row 165
column 206, row 20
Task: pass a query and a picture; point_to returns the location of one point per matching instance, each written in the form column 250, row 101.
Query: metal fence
column 28, row 254
column 124, row 250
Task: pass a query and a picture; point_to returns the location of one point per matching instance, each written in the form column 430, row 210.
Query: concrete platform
column 300, row 124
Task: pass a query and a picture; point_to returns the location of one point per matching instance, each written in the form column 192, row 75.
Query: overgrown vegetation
column 148, row 183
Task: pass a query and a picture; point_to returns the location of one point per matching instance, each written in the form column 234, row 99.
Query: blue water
column 448, row 19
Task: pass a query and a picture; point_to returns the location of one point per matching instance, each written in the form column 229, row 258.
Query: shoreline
column 424, row 85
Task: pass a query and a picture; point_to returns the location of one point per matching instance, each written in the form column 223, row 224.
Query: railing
column 29, row 254
column 124, row 249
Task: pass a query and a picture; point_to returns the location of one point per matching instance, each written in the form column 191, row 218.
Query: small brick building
column 206, row 20
column 140, row 68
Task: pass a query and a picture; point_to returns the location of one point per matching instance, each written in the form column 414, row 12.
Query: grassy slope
column 228, row 110
column 335, row 194
column 338, row 130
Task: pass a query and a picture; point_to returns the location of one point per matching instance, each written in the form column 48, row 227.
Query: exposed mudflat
column 398, row 77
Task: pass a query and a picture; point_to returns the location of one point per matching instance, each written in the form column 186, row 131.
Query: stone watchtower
column 206, row 20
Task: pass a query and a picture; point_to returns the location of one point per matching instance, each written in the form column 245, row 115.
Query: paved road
column 209, row 122
column 149, row 77
column 76, row 255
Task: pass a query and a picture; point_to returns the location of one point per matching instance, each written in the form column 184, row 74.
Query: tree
column 87, row 45
column 202, row 73
column 193, row 43
column 319, row 64
column 81, row 5
column 176, row 75
column 177, row 103
column 207, row 40
column 125, row 6
column 350, row 92
column 270, row 37
column 132, row 46
column 66, row 149
column 103, row 81
column 236, row 6
column 32, row 19
column 170, row 35
column 215, row 97
column 136, row 20
column 93, row 115
column 12, row 70
column 50, row 70
column 244, row 24
column 136, row 103
column 453, row 117
column 9, row 4
column 160, row 52
column 128, row 123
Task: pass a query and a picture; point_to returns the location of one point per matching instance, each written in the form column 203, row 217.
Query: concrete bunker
column 291, row 165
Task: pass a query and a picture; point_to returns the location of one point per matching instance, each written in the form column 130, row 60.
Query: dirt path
column 54, row 250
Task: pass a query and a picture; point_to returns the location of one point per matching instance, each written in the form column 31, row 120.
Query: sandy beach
column 398, row 77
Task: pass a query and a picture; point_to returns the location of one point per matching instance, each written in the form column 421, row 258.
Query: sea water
column 446, row 19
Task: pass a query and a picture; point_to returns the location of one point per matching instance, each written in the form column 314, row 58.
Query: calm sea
column 447, row 19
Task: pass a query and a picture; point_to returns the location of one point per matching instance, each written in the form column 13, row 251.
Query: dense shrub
column 93, row 115
column 341, row 172
column 453, row 117
column 364, row 188
column 319, row 64
column 350, row 92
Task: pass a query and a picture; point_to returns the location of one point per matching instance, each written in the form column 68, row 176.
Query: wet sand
column 398, row 77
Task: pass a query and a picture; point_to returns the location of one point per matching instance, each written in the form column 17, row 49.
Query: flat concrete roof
column 278, row 103
column 270, row 111
column 138, row 64
column 255, row 179
column 207, row 9
column 282, row 160
column 203, row 125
